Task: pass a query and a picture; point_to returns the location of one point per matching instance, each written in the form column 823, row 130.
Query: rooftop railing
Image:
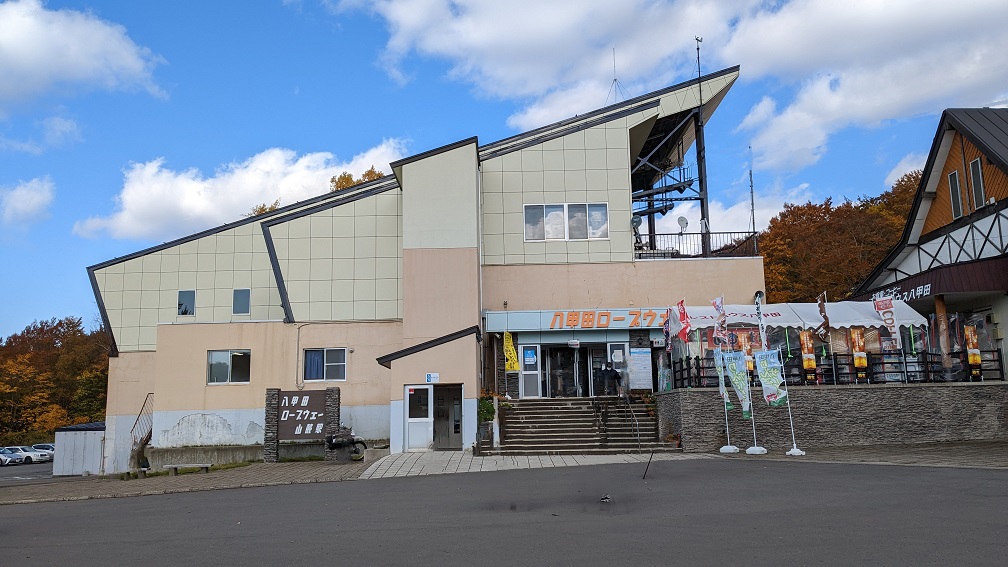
column 691, row 245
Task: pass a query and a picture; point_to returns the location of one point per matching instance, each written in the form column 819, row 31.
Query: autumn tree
column 346, row 180
column 263, row 208
column 53, row 373
column 815, row 247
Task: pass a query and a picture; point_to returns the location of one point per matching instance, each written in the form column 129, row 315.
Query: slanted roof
column 985, row 128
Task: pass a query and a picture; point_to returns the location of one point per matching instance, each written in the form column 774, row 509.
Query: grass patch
column 302, row 459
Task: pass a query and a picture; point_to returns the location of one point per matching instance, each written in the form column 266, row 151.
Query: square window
column 325, row 364
column 229, row 366
column 187, row 302
column 534, row 228
column 554, row 222
column 598, row 221
column 241, row 302
column 577, row 221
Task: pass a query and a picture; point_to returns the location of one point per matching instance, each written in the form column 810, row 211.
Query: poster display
column 639, row 367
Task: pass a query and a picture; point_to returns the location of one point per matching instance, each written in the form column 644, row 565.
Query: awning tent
column 842, row 314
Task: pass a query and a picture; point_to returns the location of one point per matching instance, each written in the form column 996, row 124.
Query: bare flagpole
column 795, row 451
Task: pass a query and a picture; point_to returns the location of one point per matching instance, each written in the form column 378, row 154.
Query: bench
column 173, row 469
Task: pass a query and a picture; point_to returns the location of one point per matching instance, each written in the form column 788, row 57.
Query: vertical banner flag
column 684, row 320
column 719, row 365
column 884, row 307
column 771, row 376
column 972, row 345
column 667, row 329
column 858, row 347
column 720, row 329
column 759, row 318
column 822, row 331
column 807, row 350
column 735, row 364
column 510, row 356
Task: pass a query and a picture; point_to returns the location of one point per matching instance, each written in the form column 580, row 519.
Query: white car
column 46, row 448
column 8, row 457
column 30, row 455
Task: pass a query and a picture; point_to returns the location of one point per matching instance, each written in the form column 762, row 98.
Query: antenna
column 752, row 199
column 615, row 88
column 699, row 40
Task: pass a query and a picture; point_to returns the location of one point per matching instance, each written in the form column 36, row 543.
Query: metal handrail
column 691, row 245
column 144, row 420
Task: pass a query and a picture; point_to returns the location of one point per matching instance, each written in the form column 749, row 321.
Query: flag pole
column 755, row 449
column 794, row 451
column 729, row 448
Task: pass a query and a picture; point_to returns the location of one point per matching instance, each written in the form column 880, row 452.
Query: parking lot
column 12, row 475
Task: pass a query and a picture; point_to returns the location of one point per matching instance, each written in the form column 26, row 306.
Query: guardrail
column 691, row 245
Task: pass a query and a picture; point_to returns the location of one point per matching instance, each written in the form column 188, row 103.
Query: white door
column 419, row 417
column 529, row 383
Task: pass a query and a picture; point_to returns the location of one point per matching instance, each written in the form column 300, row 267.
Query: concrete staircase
column 566, row 426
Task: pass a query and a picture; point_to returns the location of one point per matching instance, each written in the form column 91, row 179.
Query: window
column 241, row 302
column 228, row 366
column 187, row 302
column 955, row 195
column 325, row 364
column 572, row 221
column 976, row 174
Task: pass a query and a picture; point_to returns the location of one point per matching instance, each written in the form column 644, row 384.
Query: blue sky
column 126, row 124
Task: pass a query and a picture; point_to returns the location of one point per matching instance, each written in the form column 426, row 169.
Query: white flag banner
column 771, row 376
column 735, row 363
column 719, row 365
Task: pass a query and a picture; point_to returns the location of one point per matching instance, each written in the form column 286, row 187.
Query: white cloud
column 26, row 146
column 859, row 63
column 59, row 131
column 551, row 53
column 27, row 202
column 826, row 65
column 158, row 203
column 42, row 49
column 909, row 163
column 735, row 216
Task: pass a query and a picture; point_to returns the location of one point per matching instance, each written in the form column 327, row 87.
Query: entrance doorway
column 448, row 417
column 574, row 372
column 419, row 418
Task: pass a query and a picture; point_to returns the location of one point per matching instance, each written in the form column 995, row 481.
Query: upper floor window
column 187, row 302
column 976, row 174
column 955, row 194
column 568, row 221
column 325, row 364
column 241, row 302
column 228, row 366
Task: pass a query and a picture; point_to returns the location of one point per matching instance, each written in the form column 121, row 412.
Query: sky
column 128, row 124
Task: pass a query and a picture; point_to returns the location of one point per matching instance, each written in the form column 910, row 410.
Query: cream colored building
column 399, row 290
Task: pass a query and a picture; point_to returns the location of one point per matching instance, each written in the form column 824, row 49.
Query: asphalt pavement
column 24, row 484
column 691, row 511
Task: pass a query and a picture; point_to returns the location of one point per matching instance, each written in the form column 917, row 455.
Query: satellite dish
column 683, row 223
column 635, row 221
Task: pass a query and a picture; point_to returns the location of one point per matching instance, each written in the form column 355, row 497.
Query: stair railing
column 144, row 424
column 628, row 408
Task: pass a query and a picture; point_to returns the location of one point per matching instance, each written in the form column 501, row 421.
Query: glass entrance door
column 561, row 372
column 419, row 418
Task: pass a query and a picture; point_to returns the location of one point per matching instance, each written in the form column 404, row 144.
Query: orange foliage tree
column 53, row 373
column 815, row 247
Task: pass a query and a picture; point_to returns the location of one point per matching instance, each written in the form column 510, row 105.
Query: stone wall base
column 839, row 416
